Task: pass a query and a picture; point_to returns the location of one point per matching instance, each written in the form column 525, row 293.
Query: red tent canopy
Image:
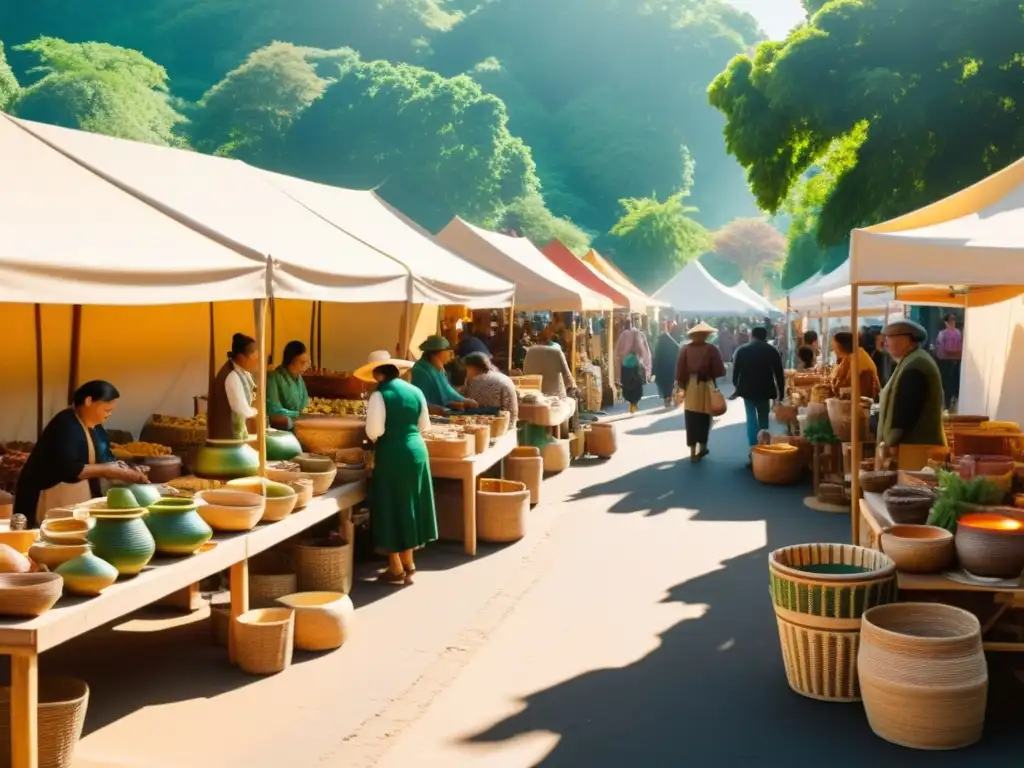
column 581, row 272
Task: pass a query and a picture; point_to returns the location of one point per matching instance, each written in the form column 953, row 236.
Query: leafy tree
column 529, row 217
column 9, row 87
column 248, row 114
column 753, row 245
column 432, row 146
column 934, row 87
column 654, row 239
column 100, row 88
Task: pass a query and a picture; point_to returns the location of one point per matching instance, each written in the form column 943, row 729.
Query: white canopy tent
column 693, row 291
column 539, row 284
column 745, row 290
column 809, row 296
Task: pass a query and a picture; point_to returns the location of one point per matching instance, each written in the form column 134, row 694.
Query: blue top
column 434, row 384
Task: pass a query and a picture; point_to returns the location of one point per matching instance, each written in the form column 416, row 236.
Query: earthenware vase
column 176, row 526
column 123, row 540
column 87, row 575
column 281, row 445
column 227, row 459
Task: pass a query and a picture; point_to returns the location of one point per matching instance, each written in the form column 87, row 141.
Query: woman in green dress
column 402, row 515
column 286, row 391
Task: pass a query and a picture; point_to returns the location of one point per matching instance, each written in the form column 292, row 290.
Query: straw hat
column 377, row 359
column 701, row 327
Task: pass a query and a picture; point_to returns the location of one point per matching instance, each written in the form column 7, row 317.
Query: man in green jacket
column 910, row 406
column 429, row 376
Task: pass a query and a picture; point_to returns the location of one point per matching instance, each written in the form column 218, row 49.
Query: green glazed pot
column 176, row 526
column 227, row 459
column 123, row 540
column 281, row 445
column 87, row 575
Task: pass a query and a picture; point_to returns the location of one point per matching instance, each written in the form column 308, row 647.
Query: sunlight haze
column 776, row 17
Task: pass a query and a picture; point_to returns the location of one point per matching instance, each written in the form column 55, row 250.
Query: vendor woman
column 286, row 391
column 429, row 376
column 910, row 407
column 842, row 345
column 233, row 392
column 402, row 494
column 71, row 456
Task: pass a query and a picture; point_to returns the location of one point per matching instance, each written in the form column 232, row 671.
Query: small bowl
column 919, row 548
column 230, row 510
column 52, row 555
column 322, row 481
column 314, row 463
column 66, row 530
column 19, row 541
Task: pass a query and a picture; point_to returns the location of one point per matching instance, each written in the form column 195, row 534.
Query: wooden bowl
column 225, row 510
column 29, row 594
column 19, row 541
column 919, row 548
column 322, row 481
column 309, row 462
column 990, row 545
column 53, row 555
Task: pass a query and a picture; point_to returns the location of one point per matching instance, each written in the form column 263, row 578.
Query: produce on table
column 179, row 421
column 322, row 406
column 128, row 451
column 819, row 432
column 954, row 492
column 193, row 484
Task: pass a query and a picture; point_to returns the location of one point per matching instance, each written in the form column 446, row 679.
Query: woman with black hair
column 402, row 516
column 286, row 391
column 230, row 409
column 71, row 456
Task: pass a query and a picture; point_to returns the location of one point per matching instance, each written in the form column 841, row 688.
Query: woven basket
column 820, row 664
column 322, row 434
column 481, row 435
column 264, row 639
column 602, row 440
column 800, row 442
column 878, row 481
column 524, row 465
column 923, row 675
column 777, row 464
column 266, row 588
column 556, row 456
column 578, row 443
column 325, row 568
column 63, row 702
column 829, row 586
column 528, row 381
column 785, row 414
column 500, row 424
column 501, row 509
column 29, row 594
column 458, row 448
column 323, row 620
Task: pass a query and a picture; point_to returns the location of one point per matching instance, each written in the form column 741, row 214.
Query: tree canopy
column 753, row 246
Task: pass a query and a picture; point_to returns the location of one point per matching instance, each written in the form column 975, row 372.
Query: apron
column 67, row 494
column 238, row 422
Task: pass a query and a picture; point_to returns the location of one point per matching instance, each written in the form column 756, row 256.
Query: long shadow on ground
column 714, row 693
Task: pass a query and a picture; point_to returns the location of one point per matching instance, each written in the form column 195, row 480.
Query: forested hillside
column 536, row 115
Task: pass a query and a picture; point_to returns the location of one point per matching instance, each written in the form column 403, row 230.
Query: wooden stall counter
column 467, row 470
column 24, row 639
column 548, row 414
column 990, row 601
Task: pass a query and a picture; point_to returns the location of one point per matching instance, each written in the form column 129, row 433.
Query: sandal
column 389, row 577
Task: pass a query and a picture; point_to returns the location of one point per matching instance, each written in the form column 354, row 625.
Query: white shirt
column 376, row 416
column 236, row 394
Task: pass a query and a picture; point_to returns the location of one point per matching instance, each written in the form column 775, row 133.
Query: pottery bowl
column 919, row 548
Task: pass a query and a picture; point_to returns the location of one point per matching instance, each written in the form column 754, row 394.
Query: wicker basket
column 602, row 440
column 801, row 444
column 266, row 588
column 481, row 435
column 323, row 620
column 578, row 443
column 785, row 414
column 325, row 568
column 528, row 381
column 264, row 639
column 501, row 509
column 63, row 702
column 777, row 464
column 500, row 424
column 453, row 448
column 321, row 434
column 820, row 664
column 29, row 594
column 829, row 586
column 524, row 465
column 556, row 456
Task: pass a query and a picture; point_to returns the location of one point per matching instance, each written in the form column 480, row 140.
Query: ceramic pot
column 923, row 675
column 227, row 459
column 176, row 526
column 123, row 540
column 282, row 445
column 323, row 620
column 87, row 575
column 991, row 546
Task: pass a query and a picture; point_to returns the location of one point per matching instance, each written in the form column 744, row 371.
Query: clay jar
column 123, row 540
column 176, row 526
column 923, row 676
column 990, row 545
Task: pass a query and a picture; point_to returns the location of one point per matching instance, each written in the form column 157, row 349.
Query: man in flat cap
column 910, row 406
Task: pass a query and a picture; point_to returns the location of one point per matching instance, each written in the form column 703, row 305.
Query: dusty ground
column 631, row 628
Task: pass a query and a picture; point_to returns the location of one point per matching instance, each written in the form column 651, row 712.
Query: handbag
column 716, row 402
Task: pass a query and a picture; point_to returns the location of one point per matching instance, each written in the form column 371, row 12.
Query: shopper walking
column 634, row 351
column 758, row 377
column 699, row 365
column 666, row 352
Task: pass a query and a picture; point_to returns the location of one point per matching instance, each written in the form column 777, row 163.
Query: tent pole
column 212, row 371
column 38, row 312
column 407, row 330
column 76, row 350
column 273, row 330
column 574, row 357
column 260, row 307
column 312, row 334
column 611, row 353
column 511, row 331
column 320, row 334
column 855, row 422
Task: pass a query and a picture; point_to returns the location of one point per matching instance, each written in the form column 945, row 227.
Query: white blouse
column 376, row 416
column 236, row 395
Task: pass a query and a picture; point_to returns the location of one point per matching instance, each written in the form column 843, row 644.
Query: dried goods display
column 11, row 464
column 17, row 446
column 322, row 406
column 179, row 421
column 129, row 451
column 193, row 484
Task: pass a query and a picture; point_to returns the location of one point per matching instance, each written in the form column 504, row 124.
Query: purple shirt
column 949, row 344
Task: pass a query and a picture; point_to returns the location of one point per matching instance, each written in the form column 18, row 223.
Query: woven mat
column 811, row 502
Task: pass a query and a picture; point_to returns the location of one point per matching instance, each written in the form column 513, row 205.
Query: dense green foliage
column 872, row 109
column 531, row 115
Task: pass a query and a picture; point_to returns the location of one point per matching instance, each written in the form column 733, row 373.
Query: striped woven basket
column 820, row 664
column 829, row 586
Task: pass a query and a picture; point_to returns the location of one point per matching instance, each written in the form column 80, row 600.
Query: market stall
column 695, row 293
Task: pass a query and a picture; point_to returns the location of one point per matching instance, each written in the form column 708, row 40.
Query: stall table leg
column 469, row 511
column 239, row 582
column 24, row 710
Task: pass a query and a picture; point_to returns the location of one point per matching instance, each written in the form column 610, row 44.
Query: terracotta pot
column 923, row 676
column 919, row 548
column 990, row 545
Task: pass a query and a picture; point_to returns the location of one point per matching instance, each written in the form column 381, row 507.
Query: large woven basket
column 556, row 456
column 501, row 510
column 481, row 435
column 524, row 465
column 266, row 588
column 325, row 568
column 323, row 620
column 500, row 424
column 454, row 448
column 602, row 441
column 820, row 663
column 264, row 640
column 777, row 464
column 829, row 586
column 322, row 434
column 63, row 702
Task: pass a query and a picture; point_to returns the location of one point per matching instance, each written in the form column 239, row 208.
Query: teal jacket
column 434, row 384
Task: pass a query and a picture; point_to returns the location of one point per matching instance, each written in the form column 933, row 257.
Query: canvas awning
column 69, row 237
column 617, row 278
column 695, row 292
column 808, row 295
column 438, row 275
column 540, row 285
column 235, row 205
column 745, row 290
column 584, row 274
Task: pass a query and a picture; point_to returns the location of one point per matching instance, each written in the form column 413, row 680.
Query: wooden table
column 467, row 470
column 875, row 519
column 24, row 639
column 544, row 415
